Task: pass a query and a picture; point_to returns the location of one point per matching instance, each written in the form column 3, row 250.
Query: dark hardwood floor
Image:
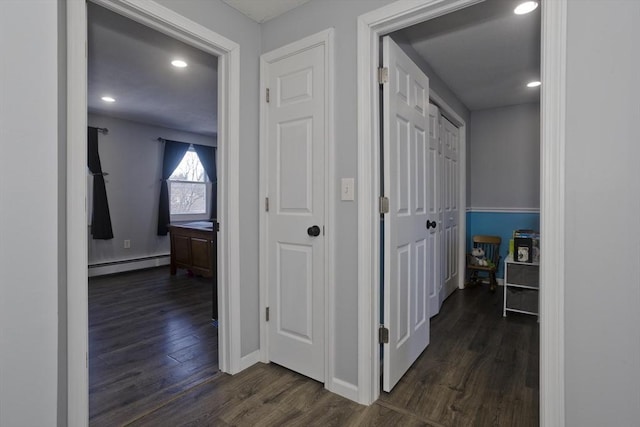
column 480, row 369
column 150, row 339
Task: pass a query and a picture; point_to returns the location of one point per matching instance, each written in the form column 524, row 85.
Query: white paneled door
column 435, row 256
column 295, row 129
column 450, row 137
column 407, row 241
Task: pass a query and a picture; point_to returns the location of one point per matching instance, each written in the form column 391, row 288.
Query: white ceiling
column 131, row 62
column 485, row 54
column 264, row 10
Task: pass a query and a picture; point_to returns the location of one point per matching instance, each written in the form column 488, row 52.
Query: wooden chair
column 491, row 247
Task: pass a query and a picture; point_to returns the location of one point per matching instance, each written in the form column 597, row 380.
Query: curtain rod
column 165, row 140
column 103, row 130
column 159, row 139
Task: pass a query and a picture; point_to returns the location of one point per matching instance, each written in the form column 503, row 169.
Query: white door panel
column 295, row 259
column 434, row 185
column 450, row 150
column 407, row 244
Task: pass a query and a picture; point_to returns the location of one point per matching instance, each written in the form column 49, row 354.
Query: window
column 189, row 189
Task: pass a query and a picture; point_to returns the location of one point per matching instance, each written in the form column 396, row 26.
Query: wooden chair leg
column 493, row 281
column 473, row 278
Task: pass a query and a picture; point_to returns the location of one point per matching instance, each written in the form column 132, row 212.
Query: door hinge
column 383, row 335
column 383, row 75
column 266, row 204
column 267, row 95
column 384, row 205
column 267, row 314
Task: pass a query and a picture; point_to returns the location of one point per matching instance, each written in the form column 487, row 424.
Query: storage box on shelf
column 521, row 286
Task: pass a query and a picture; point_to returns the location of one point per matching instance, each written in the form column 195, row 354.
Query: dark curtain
column 174, row 151
column 100, row 217
column 207, row 156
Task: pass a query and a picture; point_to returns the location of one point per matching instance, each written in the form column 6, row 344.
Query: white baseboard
column 128, row 265
column 343, row 388
column 249, row 360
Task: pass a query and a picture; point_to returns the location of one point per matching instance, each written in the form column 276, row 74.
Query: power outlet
column 127, row 244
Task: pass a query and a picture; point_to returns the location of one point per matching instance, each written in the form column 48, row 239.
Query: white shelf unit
column 521, row 286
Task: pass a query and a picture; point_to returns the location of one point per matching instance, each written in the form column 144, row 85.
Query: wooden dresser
column 193, row 247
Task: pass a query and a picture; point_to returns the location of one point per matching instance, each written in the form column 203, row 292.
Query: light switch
column 348, row 189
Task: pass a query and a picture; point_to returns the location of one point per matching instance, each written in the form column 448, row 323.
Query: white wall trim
column 402, row 14
column 167, row 21
column 503, row 210
column 250, row 359
column 343, row 388
column 77, row 232
column 121, row 266
column 325, row 38
column 552, row 212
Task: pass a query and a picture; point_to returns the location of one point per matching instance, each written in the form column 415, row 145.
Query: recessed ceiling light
column 534, row 84
column 178, row 63
column 108, row 99
column 526, row 7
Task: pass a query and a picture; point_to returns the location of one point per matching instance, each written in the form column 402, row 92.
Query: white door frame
column 401, row 14
column 325, row 38
column 169, row 22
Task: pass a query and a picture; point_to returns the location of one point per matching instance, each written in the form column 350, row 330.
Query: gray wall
column 504, row 161
column 132, row 156
column 29, row 209
column 602, row 286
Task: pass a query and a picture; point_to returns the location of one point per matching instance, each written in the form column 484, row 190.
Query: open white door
column 434, row 190
column 296, row 137
column 406, row 237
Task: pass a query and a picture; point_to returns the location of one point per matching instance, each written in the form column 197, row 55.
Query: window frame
column 185, row 217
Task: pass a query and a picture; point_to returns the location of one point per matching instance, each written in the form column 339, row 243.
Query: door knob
column 431, row 224
column 313, row 231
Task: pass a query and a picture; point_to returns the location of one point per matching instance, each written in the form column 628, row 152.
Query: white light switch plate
column 347, row 192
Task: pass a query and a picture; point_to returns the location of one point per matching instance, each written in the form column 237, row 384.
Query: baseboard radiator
column 104, row 268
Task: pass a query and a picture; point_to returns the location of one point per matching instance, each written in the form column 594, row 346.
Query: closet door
column 450, row 137
column 434, row 184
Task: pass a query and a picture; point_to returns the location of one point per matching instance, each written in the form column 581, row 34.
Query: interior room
column 482, row 58
column 152, row 308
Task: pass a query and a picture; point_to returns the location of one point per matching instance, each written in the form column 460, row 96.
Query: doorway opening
column 481, row 59
column 394, row 17
column 152, row 327
column 227, row 52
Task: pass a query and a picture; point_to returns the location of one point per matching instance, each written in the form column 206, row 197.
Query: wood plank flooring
column 479, row 370
column 150, row 338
